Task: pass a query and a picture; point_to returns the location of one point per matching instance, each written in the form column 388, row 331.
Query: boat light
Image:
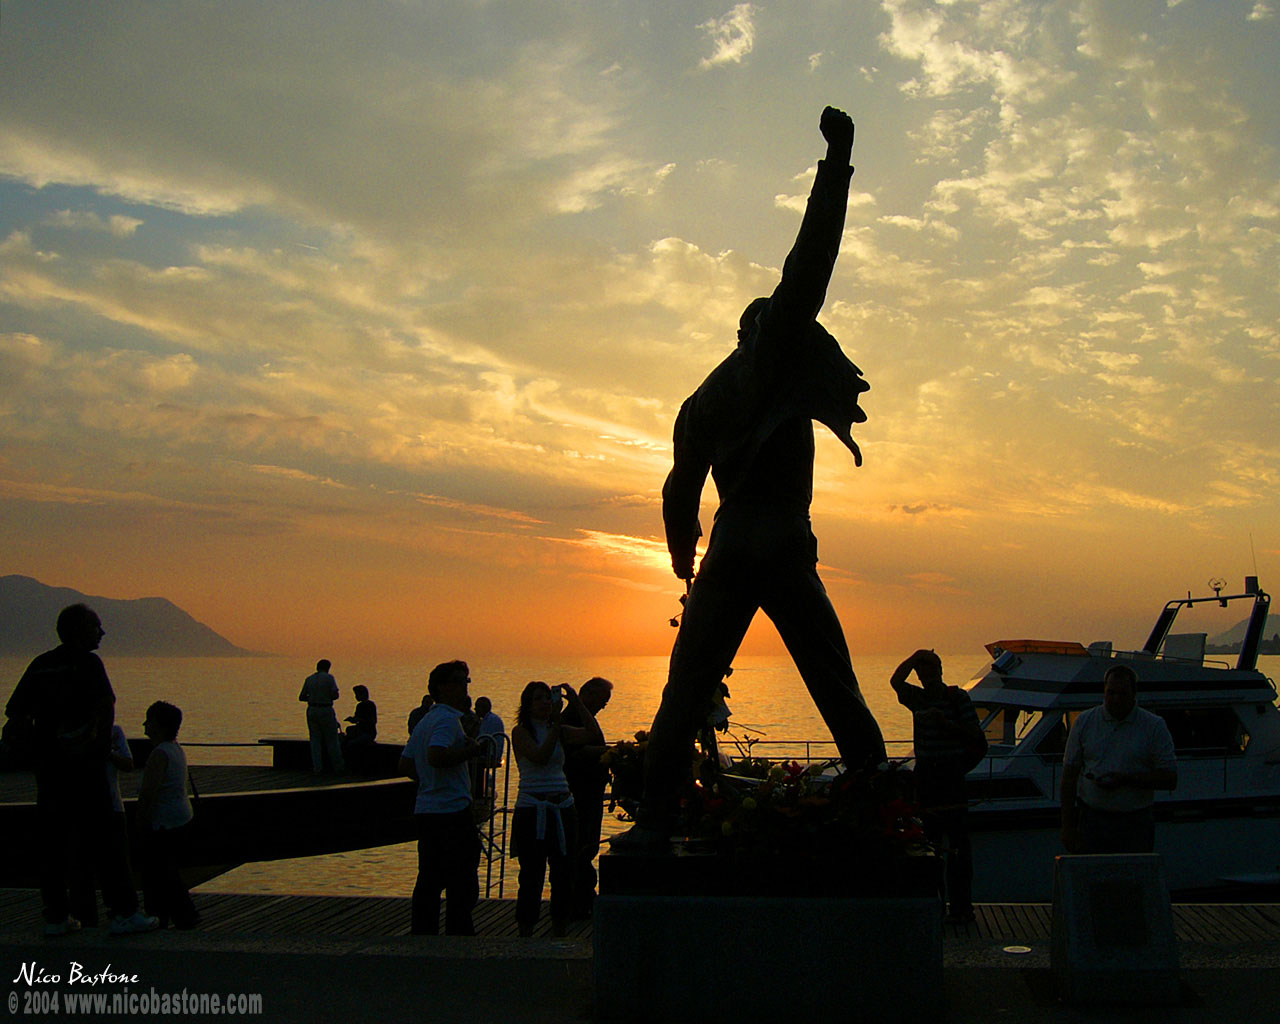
column 1006, row 662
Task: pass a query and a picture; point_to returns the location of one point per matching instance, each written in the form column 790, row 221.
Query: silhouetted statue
column 750, row 424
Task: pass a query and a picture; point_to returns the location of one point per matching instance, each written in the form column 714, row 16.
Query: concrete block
column 729, row 958
column 1112, row 937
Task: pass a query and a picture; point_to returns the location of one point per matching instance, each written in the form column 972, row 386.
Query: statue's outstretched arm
column 808, row 267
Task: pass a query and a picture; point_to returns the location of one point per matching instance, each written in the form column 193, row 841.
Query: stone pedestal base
column 1113, row 938
column 730, row 958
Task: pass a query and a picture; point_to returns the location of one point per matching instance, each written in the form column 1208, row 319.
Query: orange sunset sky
column 365, row 325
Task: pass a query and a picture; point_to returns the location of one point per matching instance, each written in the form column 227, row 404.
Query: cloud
column 588, row 188
column 483, row 511
column 935, row 581
column 732, row 36
column 292, row 473
column 85, row 220
column 953, row 45
column 373, row 125
column 33, row 154
column 254, row 352
column 924, row 508
column 646, row 552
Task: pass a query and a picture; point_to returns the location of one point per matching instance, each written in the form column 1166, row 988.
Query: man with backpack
column 948, row 742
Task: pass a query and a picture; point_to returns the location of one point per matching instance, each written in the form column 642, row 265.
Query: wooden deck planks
column 998, row 923
column 1189, row 925
column 346, row 916
column 1229, row 922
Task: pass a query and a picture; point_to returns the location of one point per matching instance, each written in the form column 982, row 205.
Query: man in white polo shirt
column 319, row 691
column 448, row 843
column 1117, row 755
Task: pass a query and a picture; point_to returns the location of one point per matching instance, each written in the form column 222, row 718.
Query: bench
column 377, row 760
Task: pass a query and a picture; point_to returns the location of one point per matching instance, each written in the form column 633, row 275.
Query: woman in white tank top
column 544, row 827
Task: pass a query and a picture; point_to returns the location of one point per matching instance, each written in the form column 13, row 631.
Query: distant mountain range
column 1231, row 641
column 148, row 626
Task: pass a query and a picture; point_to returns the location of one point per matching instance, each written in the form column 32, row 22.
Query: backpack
column 975, row 747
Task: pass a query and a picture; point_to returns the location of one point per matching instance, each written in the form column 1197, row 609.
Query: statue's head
column 747, row 322
column 827, row 383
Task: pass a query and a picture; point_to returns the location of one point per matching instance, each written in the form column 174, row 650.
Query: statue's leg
column 715, row 620
column 795, row 599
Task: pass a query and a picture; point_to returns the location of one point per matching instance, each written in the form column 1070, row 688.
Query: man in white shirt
column 490, row 725
column 319, row 691
column 448, row 843
column 1117, row 755
column 489, row 730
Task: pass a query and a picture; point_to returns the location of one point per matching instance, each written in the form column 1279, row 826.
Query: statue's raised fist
column 837, row 127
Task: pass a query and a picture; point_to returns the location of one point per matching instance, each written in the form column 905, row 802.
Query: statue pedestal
column 667, row 951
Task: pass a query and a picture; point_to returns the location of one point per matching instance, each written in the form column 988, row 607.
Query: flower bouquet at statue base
column 815, row 831
column 625, row 761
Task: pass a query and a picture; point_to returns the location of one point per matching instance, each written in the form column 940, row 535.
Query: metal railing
column 803, row 751
column 492, row 817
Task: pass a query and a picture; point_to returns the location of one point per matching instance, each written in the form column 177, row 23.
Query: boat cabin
column 1223, row 719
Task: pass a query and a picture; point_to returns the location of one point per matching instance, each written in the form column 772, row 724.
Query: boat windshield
column 1196, row 732
column 1006, row 726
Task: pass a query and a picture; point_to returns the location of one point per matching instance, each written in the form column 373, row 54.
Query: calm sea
column 237, row 700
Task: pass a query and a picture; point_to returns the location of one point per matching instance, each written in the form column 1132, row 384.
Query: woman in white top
column 544, row 827
column 164, row 820
column 84, row 897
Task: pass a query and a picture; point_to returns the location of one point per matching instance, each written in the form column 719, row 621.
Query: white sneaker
column 67, row 927
column 138, row 922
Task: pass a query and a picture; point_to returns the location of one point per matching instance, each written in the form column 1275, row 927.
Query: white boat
column 1221, row 825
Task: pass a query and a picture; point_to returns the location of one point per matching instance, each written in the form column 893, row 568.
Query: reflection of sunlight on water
column 381, row 871
column 242, row 699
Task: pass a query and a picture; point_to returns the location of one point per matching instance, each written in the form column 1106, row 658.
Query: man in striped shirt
column 944, row 728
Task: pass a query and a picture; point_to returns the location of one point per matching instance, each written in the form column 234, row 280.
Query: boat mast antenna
column 1216, row 584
